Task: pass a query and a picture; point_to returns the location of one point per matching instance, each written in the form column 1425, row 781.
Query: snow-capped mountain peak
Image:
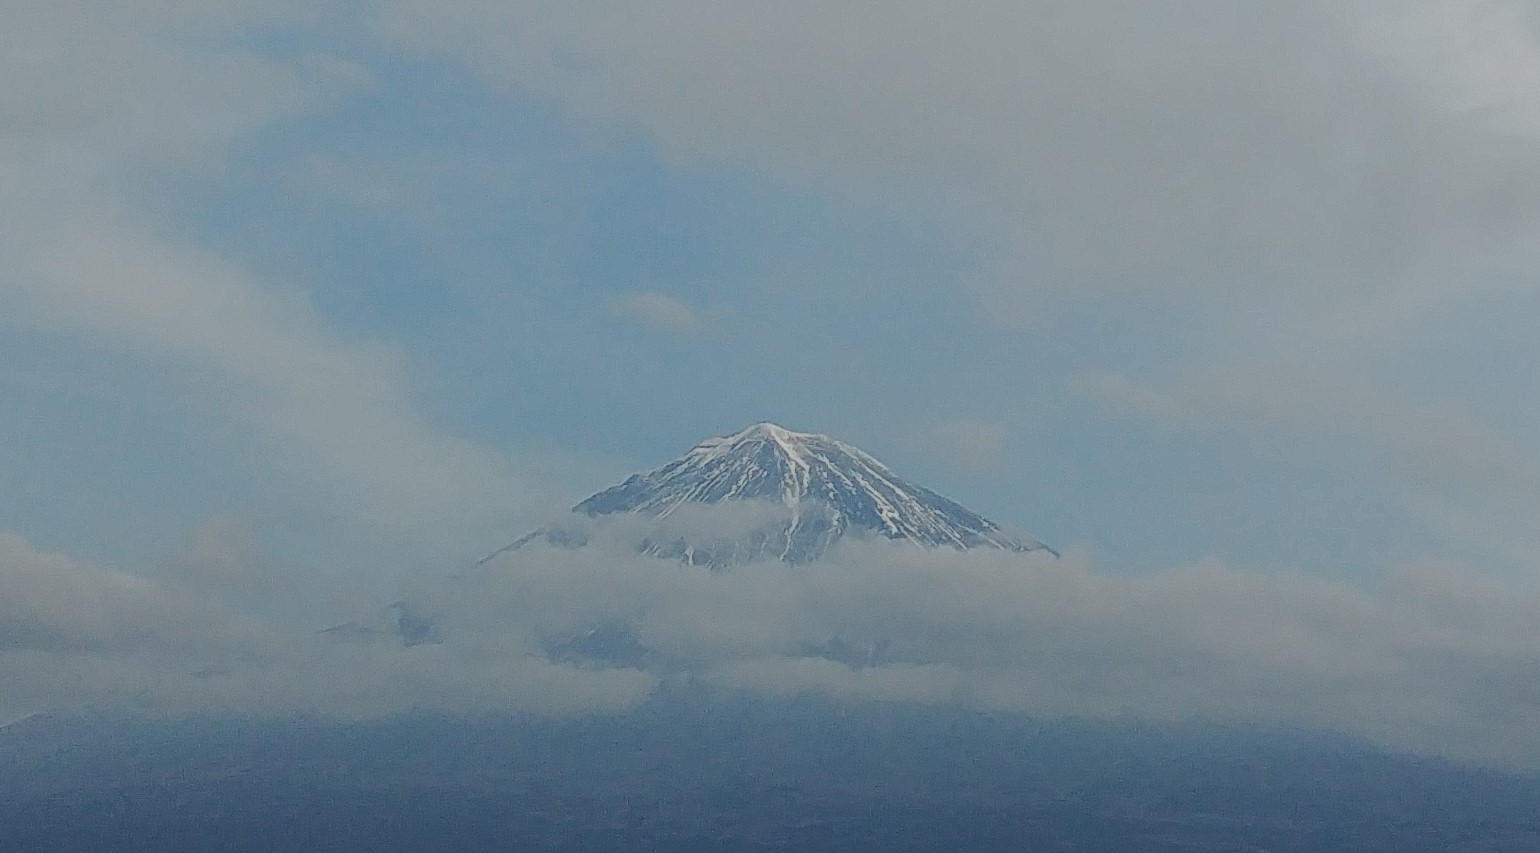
column 823, row 489
column 762, row 462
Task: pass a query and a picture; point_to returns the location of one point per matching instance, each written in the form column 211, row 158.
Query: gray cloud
column 1169, row 147
column 56, row 604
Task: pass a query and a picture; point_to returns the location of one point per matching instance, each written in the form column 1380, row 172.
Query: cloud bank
column 1434, row 660
column 76, row 636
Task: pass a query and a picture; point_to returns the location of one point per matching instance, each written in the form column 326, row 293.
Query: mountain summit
column 769, row 492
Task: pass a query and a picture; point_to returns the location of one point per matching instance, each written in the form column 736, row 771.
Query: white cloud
column 656, row 311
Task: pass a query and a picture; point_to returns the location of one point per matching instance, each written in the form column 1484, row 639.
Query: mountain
column 769, row 492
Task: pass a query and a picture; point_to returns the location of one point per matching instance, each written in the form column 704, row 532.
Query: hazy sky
column 304, row 301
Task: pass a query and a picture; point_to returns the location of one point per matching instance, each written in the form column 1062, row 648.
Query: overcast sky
column 302, row 302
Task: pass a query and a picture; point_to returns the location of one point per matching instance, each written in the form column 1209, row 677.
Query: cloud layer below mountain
column 1434, row 660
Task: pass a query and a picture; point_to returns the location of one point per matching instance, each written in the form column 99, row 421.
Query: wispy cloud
column 655, row 311
column 1440, row 459
column 969, row 442
column 109, row 101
